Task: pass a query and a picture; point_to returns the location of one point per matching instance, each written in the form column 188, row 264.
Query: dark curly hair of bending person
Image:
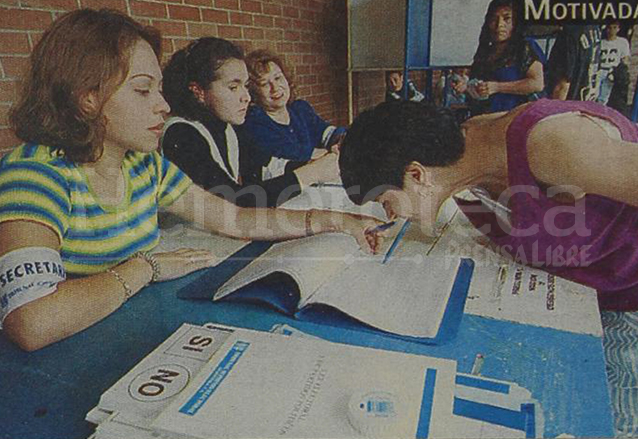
column 196, row 63
column 383, row 141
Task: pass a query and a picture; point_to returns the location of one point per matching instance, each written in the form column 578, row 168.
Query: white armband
column 27, row 274
column 327, row 134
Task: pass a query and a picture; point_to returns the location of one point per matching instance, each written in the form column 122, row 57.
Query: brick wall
column 368, row 90
column 310, row 34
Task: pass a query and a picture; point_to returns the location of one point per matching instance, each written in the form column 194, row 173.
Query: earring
column 197, row 92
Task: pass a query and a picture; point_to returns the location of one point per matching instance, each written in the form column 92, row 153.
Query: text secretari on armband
column 30, row 268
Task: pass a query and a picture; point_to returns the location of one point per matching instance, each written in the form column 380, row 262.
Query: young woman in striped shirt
column 84, row 191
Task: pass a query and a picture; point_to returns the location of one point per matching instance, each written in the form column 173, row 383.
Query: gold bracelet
column 148, row 257
column 128, row 292
column 308, row 222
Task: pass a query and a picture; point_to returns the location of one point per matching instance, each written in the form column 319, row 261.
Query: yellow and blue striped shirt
column 38, row 184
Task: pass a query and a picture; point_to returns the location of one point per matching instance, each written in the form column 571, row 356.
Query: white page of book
column 309, row 261
column 406, row 296
column 268, row 385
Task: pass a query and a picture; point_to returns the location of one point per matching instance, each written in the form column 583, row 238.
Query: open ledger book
column 327, row 279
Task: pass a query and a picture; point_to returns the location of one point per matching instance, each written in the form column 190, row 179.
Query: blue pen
column 396, row 241
column 326, row 185
column 382, row 227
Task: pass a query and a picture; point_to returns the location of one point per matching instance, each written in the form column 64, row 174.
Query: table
column 46, row 394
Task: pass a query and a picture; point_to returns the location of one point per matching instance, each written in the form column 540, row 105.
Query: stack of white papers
column 502, row 289
column 483, row 407
column 217, row 381
column 139, row 396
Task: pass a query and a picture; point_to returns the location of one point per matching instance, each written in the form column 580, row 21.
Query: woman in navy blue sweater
column 284, row 127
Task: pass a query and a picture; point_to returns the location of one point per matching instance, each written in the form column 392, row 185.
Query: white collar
column 232, row 144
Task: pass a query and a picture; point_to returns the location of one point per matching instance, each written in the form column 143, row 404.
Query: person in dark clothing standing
column 206, row 85
column 620, row 91
column 574, row 63
column 507, row 70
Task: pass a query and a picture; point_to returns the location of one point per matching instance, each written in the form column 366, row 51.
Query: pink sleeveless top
column 593, row 242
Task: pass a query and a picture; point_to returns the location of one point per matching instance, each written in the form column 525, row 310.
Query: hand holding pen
column 376, row 231
column 374, row 235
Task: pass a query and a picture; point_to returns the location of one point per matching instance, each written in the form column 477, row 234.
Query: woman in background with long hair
column 507, row 69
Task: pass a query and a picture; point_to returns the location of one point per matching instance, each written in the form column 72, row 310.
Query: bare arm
column 561, row 89
column 75, row 305
column 79, row 303
column 532, row 83
column 222, row 217
column 575, row 151
column 322, row 168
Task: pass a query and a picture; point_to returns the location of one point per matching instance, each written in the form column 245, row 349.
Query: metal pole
column 406, row 52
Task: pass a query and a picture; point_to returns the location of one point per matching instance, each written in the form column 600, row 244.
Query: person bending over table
column 205, row 85
column 555, row 181
column 82, row 195
column 284, row 127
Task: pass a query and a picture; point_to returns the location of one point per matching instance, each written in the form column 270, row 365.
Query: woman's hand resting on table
column 178, row 263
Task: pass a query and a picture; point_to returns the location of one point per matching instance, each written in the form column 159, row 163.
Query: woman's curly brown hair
column 257, row 64
column 84, row 51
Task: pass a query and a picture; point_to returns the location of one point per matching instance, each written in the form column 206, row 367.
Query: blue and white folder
column 485, row 407
column 204, row 379
column 267, row 385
